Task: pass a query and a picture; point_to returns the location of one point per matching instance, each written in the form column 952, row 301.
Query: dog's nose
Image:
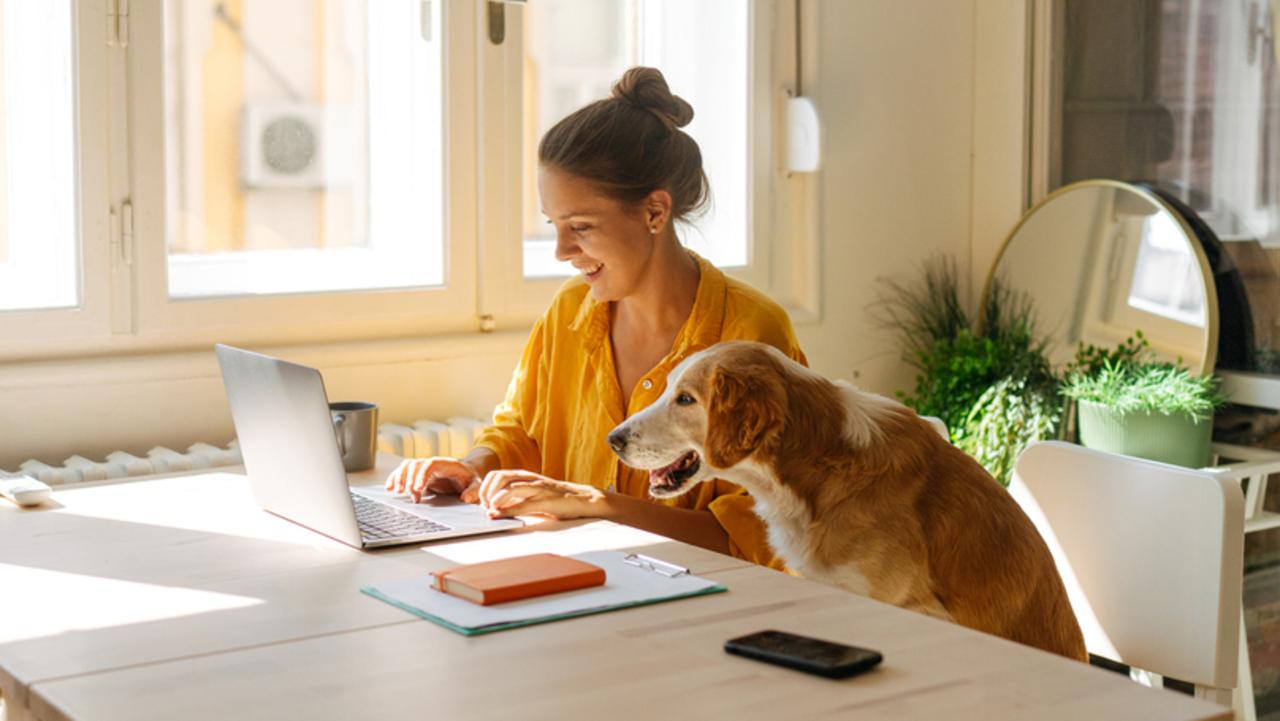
column 618, row 440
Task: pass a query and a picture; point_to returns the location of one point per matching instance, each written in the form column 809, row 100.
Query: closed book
column 511, row 579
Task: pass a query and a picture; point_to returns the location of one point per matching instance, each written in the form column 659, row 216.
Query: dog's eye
column 684, row 399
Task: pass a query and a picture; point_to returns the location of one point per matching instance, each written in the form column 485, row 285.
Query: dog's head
column 720, row 407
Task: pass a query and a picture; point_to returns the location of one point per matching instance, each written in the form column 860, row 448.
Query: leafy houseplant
column 1132, row 403
column 992, row 385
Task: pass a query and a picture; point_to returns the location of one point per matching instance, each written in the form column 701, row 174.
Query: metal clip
column 662, row 568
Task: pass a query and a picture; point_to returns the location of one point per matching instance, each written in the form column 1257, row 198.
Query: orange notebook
column 511, row 579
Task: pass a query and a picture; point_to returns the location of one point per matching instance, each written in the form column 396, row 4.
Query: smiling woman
column 614, row 178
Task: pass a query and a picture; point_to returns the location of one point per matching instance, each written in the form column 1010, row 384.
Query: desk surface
column 179, row 598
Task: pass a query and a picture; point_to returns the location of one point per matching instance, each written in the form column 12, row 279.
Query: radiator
column 454, row 437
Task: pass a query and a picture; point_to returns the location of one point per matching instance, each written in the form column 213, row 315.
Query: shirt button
column 647, row 384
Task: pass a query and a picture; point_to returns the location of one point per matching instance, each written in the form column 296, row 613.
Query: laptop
column 290, row 449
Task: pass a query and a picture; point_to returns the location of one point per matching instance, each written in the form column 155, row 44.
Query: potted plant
column 1131, row 403
column 992, row 385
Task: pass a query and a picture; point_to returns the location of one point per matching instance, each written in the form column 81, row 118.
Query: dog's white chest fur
column 787, row 520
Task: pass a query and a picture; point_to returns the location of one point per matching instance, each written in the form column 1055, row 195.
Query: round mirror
column 1100, row 259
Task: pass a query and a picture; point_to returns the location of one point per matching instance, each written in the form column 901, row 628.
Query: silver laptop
column 291, row 454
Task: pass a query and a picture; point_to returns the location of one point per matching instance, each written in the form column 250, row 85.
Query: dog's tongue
column 658, row 476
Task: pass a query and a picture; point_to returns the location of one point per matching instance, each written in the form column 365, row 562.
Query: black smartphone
column 811, row 655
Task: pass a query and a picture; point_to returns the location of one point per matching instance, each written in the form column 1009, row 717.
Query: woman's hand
column 521, row 493
column 439, row 474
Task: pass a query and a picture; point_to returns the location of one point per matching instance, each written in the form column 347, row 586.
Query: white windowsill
column 125, row 369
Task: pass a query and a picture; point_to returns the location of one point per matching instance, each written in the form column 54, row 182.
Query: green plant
column 1144, row 384
column 1090, row 359
column 1006, row 418
column 993, row 386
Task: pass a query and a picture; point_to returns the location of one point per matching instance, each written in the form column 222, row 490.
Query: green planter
column 1177, row 439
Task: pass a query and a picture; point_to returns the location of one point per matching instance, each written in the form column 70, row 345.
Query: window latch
column 117, row 23
column 498, row 19
column 122, row 232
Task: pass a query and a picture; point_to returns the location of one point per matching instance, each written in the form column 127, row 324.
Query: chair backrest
column 1151, row 554
column 939, row 425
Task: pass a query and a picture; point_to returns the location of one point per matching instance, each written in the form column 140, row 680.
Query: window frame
column 91, row 321
column 298, row 317
column 125, row 307
column 781, row 252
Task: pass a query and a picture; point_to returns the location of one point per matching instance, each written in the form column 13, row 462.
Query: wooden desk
column 116, row 575
column 177, row 598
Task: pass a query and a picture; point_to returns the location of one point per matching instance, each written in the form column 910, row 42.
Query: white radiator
column 121, row 464
column 454, row 437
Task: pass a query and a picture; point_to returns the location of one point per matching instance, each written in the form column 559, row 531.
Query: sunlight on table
column 186, row 504
column 79, row 602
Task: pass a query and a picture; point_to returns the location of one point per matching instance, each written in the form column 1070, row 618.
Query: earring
column 653, row 230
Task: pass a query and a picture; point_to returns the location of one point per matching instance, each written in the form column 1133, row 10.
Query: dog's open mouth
column 669, row 478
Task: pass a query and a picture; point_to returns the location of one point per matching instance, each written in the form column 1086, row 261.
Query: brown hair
column 631, row 144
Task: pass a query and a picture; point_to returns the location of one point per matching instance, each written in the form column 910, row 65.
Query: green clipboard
column 630, row 580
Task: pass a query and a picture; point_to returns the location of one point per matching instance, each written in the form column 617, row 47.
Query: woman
column 614, row 177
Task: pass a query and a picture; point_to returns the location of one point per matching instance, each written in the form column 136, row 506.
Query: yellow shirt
column 564, row 396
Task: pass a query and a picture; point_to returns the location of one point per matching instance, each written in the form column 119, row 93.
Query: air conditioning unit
column 296, row 145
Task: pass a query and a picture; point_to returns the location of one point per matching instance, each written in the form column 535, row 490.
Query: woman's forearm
column 699, row 528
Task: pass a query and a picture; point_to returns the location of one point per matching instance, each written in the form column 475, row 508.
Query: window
column 730, row 60
column 39, row 248
column 702, row 50
column 56, row 279
column 299, row 193
column 303, row 146
column 289, row 171
column 1187, row 96
column 1165, row 277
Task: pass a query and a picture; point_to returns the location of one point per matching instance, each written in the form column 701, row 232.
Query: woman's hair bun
column 647, row 88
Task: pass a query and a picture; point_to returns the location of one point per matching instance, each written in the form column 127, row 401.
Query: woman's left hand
column 521, row 493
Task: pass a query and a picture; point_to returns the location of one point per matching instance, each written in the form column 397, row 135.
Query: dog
column 857, row 491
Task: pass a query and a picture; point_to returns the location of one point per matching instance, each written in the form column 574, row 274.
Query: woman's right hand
column 449, row 476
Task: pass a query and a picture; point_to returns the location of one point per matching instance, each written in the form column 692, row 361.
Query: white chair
column 939, row 425
column 1151, row 555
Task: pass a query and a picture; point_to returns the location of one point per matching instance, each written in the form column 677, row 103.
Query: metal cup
column 356, row 425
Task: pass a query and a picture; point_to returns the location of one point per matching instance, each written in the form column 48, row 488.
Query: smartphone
column 811, row 655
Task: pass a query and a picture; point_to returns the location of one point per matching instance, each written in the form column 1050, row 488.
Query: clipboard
column 630, row 580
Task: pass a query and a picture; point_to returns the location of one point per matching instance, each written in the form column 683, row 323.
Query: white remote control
column 24, row 490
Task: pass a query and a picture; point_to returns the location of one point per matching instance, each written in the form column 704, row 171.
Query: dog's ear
column 747, row 406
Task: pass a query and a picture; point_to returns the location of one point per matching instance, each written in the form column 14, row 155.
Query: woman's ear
column 746, row 409
column 657, row 211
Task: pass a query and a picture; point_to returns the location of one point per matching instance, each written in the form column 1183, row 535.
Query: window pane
column 1186, row 95
column 1166, row 278
column 303, row 145
column 702, row 49
column 39, row 252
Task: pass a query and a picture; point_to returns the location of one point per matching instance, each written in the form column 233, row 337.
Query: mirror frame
column 1209, row 356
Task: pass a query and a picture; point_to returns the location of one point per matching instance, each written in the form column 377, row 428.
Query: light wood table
column 114, row 575
column 178, row 598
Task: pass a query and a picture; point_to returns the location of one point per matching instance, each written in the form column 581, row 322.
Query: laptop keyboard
column 378, row 521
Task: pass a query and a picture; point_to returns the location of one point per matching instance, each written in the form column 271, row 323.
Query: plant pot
column 1177, row 439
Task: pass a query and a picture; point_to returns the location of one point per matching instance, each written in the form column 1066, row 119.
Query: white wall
column 905, row 163
column 894, row 92
column 50, row 410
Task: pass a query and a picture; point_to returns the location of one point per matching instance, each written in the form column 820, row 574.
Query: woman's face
column 608, row 242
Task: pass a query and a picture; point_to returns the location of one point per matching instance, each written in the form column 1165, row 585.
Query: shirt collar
column 701, row 330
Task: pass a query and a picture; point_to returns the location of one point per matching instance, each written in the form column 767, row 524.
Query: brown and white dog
column 857, row 492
